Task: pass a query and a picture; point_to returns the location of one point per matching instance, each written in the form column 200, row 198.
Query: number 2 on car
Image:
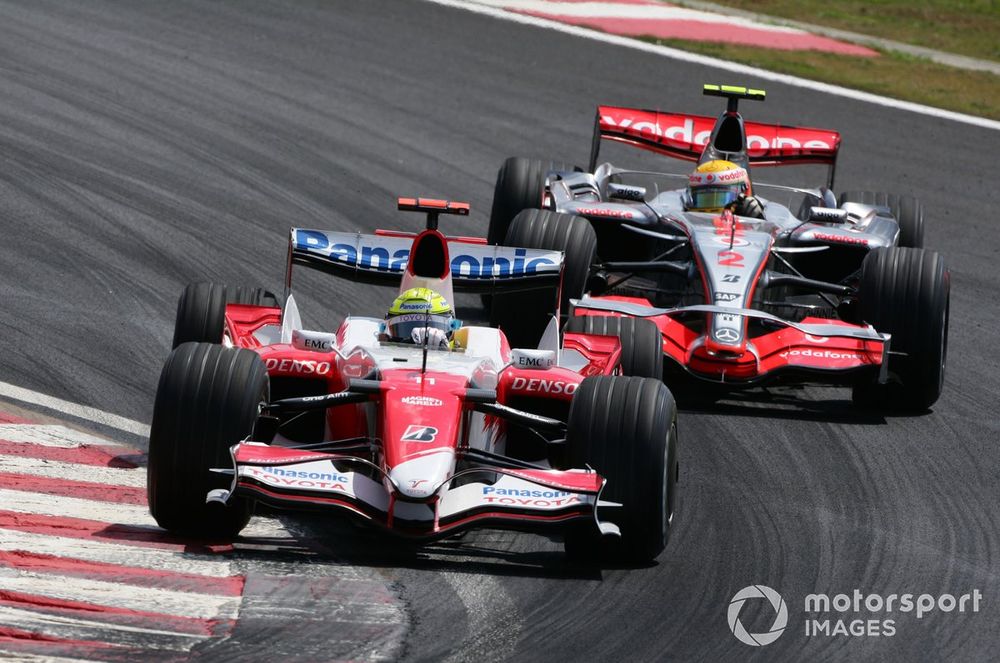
column 730, row 258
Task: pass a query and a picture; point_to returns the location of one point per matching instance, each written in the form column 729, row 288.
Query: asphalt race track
column 145, row 145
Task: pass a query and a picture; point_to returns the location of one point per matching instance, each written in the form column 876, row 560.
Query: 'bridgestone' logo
column 416, row 433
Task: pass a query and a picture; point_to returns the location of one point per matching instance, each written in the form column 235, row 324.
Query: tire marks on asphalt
column 494, row 622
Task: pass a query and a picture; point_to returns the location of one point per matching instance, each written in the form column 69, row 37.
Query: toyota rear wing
column 382, row 258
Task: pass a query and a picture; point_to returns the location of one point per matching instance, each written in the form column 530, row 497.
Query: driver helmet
column 715, row 184
column 418, row 308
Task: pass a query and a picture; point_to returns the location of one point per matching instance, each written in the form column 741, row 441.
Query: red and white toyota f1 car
column 817, row 290
column 419, row 441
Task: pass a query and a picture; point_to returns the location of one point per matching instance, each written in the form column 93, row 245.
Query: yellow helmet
column 418, row 308
column 420, row 300
column 715, row 184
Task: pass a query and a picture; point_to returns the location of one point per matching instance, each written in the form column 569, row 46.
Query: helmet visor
column 713, row 198
column 400, row 328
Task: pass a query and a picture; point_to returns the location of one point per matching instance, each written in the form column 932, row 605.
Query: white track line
column 22, row 501
column 693, row 58
column 134, row 477
column 122, row 554
column 74, row 507
column 16, row 393
column 51, row 436
column 112, row 594
column 72, row 628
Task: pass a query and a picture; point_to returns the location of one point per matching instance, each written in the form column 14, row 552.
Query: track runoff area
column 85, row 573
column 622, row 21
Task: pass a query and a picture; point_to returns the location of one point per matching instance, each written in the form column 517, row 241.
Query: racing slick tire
column 523, row 316
column 201, row 310
column 642, row 344
column 207, row 400
column 905, row 292
column 909, row 213
column 520, row 185
column 626, row 429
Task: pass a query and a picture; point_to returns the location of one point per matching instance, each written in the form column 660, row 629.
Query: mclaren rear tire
column 523, row 316
column 520, row 185
column 207, row 400
column 201, row 310
column 626, row 429
column 642, row 344
column 909, row 213
column 905, row 292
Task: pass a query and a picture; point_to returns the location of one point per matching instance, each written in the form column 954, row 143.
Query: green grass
column 966, row 27
column 891, row 74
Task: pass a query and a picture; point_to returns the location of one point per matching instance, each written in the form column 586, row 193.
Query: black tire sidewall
column 625, row 428
column 905, row 292
column 520, row 185
column 207, row 400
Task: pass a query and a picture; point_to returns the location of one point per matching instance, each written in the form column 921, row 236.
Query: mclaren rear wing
column 382, row 258
column 685, row 136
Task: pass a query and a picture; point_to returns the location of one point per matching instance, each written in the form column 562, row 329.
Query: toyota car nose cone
column 421, row 477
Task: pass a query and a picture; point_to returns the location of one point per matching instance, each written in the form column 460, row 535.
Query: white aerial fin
column 550, row 337
column 290, row 319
